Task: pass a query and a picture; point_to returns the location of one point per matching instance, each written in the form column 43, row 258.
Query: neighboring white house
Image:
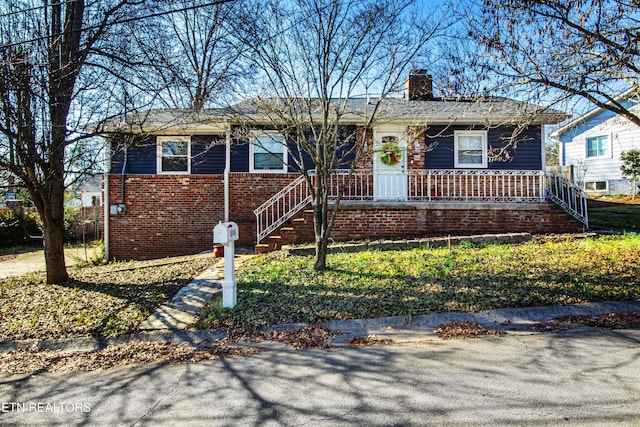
column 592, row 144
column 91, row 191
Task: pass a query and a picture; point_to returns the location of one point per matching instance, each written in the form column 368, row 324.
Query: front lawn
column 101, row 301
column 281, row 289
column 623, row 215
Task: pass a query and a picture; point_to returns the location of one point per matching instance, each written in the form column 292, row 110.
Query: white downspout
column 227, row 169
column 105, row 205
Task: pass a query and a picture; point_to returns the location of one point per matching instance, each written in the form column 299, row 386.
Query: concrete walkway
column 182, row 311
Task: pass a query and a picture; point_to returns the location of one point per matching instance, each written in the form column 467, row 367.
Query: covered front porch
column 454, row 189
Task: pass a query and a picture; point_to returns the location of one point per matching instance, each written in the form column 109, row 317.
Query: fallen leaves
column 115, row 356
column 97, row 301
column 461, row 330
column 468, row 329
column 304, row 338
column 368, row 340
column 300, row 338
column 607, row 321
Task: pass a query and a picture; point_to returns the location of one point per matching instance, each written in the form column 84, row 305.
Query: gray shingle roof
column 402, row 110
column 353, row 111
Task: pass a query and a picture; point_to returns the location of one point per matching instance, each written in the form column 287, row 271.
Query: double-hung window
column 268, row 153
column 174, row 154
column 598, row 146
column 470, row 149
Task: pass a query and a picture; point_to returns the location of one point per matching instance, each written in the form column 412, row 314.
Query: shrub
column 14, row 229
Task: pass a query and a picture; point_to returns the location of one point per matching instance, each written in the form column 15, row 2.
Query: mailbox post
column 226, row 233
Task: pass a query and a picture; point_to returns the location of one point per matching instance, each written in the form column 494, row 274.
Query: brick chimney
column 419, row 85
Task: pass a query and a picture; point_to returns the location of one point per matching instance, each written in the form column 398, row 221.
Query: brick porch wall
column 168, row 215
column 366, row 222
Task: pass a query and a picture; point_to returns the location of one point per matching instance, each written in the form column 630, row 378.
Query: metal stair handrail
column 282, row 206
column 569, row 196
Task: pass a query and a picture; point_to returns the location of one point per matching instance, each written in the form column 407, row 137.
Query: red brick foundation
column 168, row 215
column 355, row 222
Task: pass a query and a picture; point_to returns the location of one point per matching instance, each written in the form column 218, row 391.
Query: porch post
column 227, row 169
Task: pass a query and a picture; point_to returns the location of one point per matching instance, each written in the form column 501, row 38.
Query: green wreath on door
column 391, row 154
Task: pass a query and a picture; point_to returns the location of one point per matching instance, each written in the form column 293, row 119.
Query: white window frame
column 485, row 149
column 608, row 145
column 285, row 152
column 159, row 156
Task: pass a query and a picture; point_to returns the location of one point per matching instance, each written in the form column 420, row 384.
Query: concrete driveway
column 29, row 262
column 584, row 377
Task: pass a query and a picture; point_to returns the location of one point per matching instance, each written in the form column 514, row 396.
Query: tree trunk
column 52, row 214
column 54, row 254
column 321, row 254
column 52, row 210
column 321, row 223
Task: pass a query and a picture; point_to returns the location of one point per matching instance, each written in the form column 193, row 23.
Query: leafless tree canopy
column 313, row 57
column 191, row 58
column 556, row 48
column 54, row 72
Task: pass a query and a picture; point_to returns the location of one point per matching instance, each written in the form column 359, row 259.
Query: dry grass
column 279, row 289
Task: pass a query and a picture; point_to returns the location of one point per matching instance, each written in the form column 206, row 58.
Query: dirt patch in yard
column 19, row 264
column 608, row 201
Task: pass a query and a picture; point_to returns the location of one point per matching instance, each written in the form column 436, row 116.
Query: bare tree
column 49, row 74
column 192, row 57
column 315, row 58
column 555, row 50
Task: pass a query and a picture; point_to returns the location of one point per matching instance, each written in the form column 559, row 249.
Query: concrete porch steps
column 298, row 230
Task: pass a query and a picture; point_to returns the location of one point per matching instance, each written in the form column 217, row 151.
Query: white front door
column 390, row 164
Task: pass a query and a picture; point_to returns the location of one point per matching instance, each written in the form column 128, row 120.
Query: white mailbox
column 225, row 232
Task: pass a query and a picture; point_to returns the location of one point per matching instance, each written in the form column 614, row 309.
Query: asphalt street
column 585, row 377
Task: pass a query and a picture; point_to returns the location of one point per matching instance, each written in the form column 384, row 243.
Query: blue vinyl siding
column 345, row 152
column 207, row 154
column 240, row 157
column 141, row 157
column 294, row 158
column 526, row 155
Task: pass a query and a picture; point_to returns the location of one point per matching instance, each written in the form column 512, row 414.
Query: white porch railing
column 443, row 185
column 569, row 196
column 489, row 186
